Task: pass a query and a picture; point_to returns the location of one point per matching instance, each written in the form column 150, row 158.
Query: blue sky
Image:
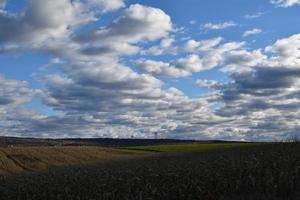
column 190, row 69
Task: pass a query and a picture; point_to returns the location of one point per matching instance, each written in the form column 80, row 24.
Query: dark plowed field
column 259, row 172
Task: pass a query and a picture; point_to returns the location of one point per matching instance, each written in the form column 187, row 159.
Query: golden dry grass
column 26, row 159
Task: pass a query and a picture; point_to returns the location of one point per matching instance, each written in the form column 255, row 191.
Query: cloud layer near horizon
column 97, row 94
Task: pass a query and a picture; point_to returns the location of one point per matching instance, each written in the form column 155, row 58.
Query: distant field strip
column 181, row 148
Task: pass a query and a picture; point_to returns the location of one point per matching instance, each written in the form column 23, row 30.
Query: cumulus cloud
column 206, row 54
column 264, row 97
column 123, row 101
column 178, row 68
column 263, row 100
column 50, row 20
column 138, row 23
column 14, row 93
column 285, row 3
column 260, row 101
column 204, row 45
column 254, row 31
column 90, row 94
column 97, row 93
column 165, row 47
column 161, row 68
column 219, row 26
column 286, row 51
column 241, row 61
column 208, row 84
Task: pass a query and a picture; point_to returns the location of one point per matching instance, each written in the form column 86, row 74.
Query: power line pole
column 155, row 135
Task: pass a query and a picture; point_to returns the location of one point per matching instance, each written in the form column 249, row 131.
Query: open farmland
column 31, row 159
column 255, row 172
column 15, row 160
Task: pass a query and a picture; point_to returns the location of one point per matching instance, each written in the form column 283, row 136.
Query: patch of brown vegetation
column 16, row 160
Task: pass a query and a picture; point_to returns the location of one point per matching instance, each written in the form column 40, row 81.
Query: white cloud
column 286, row 51
column 219, row 26
column 203, row 46
column 137, row 24
column 165, row 46
column 285, row 3
column 207, row 54
column 14, row 93
column 191, row 45
column 161, row 68
column 97, row 93
column 241, row 61
column 254, row 31
column 167, row 42
column 209, row 84
column 43, row 20
column 254, row 16
column 283, row 53
column 178, row 68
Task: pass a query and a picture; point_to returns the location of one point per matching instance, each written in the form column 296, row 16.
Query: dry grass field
column 29, row 159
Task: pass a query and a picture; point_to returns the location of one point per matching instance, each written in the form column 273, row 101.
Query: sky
column 206, row 70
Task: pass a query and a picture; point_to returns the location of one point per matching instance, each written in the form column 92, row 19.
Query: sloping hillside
column 15, row 160
column 29, row 159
